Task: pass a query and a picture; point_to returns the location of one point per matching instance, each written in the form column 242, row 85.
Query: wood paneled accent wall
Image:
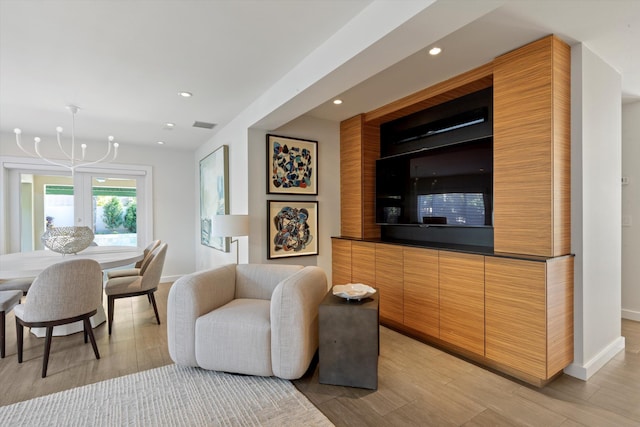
column 532, row 149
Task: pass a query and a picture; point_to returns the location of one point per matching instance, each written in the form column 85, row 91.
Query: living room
column 604, row 284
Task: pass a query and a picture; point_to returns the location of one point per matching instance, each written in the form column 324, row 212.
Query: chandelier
column 72, row 160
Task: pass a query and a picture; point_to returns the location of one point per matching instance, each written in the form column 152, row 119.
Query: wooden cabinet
column 359, row 149
column 512, row 313
column 514, row 309
column 531, row 90
column 363, row 267
column 421, row 290
column 529, row 315
column 340, row 261
column 462, row 300
column 389, row 281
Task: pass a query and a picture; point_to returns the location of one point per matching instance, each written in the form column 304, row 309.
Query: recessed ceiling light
column 337, row 101
column 186, row 94
column 434, row 50
column 160, row 142
column 169, row 125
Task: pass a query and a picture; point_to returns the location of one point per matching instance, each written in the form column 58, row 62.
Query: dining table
column 31, row 263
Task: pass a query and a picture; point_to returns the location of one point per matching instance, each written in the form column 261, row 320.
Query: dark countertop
column 468, row 249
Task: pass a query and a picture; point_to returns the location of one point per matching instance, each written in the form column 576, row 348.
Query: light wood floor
column 418, row 384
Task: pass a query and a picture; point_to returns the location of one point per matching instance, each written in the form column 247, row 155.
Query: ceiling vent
column 204, row 125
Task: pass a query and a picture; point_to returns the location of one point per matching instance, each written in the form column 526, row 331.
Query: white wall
column 348, row 57
column 235, row 137
column 631, row 208
column 327, row 133
column 596, row 211
column 173, row 198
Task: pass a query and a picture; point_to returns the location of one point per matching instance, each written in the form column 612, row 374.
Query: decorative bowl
column 67, row 240
column 353, row 291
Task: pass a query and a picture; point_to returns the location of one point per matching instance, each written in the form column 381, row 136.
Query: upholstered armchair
column 254, row 319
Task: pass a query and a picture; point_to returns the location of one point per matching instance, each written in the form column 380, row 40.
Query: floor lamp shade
column 230, row 225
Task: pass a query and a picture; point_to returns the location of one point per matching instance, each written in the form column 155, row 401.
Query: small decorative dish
column 353, row 291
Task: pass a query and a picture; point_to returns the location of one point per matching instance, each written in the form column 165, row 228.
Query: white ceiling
column 124, row 62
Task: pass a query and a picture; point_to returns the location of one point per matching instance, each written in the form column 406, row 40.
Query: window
column 114, row 210
column 457, row 208
column 41, row 195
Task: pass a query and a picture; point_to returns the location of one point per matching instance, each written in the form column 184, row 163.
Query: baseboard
column 584, row 372
column 631, row 315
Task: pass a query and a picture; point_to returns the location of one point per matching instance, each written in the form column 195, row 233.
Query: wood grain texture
column 455, row 87
column 516, row 326
column 421, row 290
column 389, row 275
column 363, row 267
column 351, row 202
column 559, row 314
column 462, row 300
column 340, row 261
column 370, row 153
column 531, row 165
column 561, row 148
column 523, row 163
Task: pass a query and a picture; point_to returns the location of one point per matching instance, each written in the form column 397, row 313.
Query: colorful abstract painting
column 292, row 165
column 293, row 228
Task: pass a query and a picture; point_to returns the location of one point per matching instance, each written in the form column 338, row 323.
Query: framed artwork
column 292, row 165
column 214, row 195
column 292, row 228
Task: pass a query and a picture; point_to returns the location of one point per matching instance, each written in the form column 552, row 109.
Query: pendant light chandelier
column 72, row 160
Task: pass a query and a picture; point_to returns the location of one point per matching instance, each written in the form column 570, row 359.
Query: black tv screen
column 444, row 186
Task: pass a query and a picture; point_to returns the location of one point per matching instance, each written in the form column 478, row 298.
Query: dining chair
column 66, row 292
column 131, row 286
column 18, row 284
column 137, row 268
column 8, row 300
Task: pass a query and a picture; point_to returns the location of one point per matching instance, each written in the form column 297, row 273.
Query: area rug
column 171, row 396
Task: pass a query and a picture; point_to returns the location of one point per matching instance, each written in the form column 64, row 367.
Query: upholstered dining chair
column 63, row 293
column 19, row 284
column 8, row 300
column 144, row 284
column 139, row 266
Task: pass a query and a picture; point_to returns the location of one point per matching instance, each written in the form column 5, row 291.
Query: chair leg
column 84, row 332
column 19, row 330
column 110, row 301
column 47, row 350
column 155, row 307
column 149, row 298
column 2, row 325
column 89, row 331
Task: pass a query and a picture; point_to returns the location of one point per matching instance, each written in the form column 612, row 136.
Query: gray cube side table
column 349, row 342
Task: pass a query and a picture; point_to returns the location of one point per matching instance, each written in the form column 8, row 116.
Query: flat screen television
column 441, row 187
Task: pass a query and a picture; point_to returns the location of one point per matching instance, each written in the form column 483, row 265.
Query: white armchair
column 255, row 319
